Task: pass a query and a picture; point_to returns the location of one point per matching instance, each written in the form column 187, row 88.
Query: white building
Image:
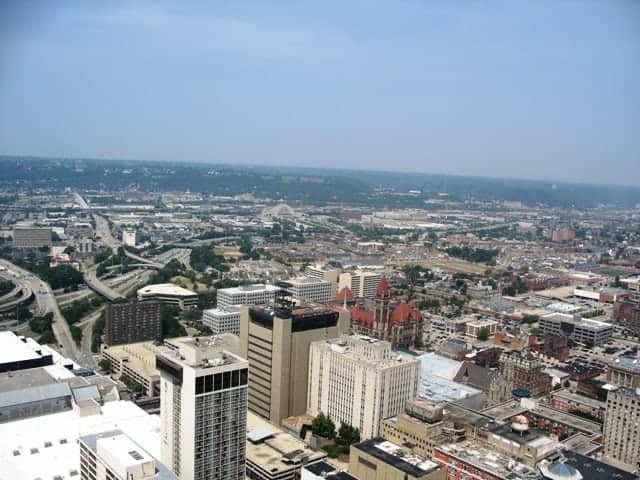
column 310, row 289
column 584, row 330
column 130, row 238
column 203, row 410
column 169, row 294
column 323, row 273
column 112, row 455
column 223, row 320
column 360, row 381
column 256, row 294
column 362, row 283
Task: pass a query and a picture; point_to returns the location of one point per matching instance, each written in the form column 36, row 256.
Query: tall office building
column 362, row 283
column 203, row 410
column 276, row 342
column 132, row 322
column 622, row 428
column 310, row 289
column 246, row 295
column 360, row 381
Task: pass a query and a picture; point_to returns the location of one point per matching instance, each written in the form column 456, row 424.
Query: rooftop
column 46, row 446
column 326, row 470
column 200, row 352
column 256, row 287
column 140, row 356
column 272, row 450
column 165, row 289
column 488, row 460
column 627, row 363
column 126, row 453
column 397, row 456
column 15, row 349
column 587, row 467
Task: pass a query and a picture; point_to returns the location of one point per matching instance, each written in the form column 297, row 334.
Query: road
column 95, row 284
column 104, row 232
column 20, row 293
column 47, row 303
column 80, row 201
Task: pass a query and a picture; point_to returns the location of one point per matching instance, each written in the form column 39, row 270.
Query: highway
column 47, row 303
column 95, row 284
column 20, row 293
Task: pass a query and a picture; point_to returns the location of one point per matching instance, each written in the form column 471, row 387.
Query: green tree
column 483, row 334
column 105, row 365
column 323, row 425
column 347, row 435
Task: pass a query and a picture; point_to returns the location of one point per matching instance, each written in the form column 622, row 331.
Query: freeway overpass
column 95, row 284
column 25, row 295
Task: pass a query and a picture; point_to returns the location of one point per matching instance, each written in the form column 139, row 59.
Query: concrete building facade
column 360, row 381
column 276, row 343
column 203, row 410
column 132, row 322
column 622, row 428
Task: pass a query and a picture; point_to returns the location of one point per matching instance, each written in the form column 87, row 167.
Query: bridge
column 95, row 284
column 25, row 294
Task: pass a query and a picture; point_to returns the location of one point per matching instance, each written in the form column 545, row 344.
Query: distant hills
column 306, row 185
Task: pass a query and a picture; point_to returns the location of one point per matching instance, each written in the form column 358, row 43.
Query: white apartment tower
column 223, row 320
column 362, row 283
column 203, row 410
column 360, row 381
column 256, row 294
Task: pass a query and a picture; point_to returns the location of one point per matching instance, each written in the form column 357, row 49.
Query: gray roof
column 34, row 394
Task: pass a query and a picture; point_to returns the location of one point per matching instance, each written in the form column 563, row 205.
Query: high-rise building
column 130, row 237
column 32, row 237
column 360, row 381
column 223, row 320
column 256, row 294
column 203, row 410
column 112, row 455
column 310, row 289
column 622, row 428
column 362, row 283
column 276, row 342
column 132, row 322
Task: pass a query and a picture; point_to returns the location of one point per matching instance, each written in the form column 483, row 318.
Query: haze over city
column 544, row 90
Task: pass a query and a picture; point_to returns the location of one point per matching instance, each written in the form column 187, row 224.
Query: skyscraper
column 622, row 428
column 132, row 322
column 276, row 342
column 203, row 410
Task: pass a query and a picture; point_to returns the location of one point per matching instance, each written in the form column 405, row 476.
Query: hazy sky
column 533, row 89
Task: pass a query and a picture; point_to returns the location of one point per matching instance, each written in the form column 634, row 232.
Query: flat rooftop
column 125, row 451
column 488, row 460
column 166, row 289
column 631, row 364
column 14, row 349
column 398, row 457
column 272, row 449
column 30, row 377
column 256, row 287
column 47, row 446
column 140, row 356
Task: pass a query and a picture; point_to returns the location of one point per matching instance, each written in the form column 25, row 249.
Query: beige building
column 138, row 362
column 276, row 342
column 622, row 428
column 379, row 459
column 310, row 289
column 475, row 327
column 360, row 381
column 273, row 454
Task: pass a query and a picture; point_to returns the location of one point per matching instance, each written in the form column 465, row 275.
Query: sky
column 520, row 89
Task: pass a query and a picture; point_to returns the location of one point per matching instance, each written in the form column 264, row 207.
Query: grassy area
column 612, row 272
